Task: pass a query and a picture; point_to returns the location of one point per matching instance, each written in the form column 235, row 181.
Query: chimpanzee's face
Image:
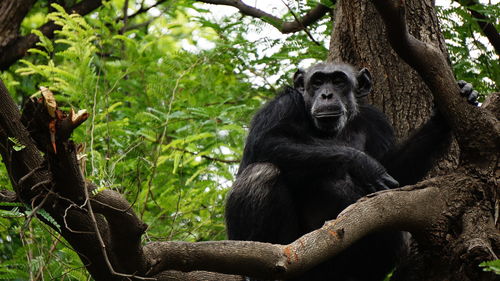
column 329, row 92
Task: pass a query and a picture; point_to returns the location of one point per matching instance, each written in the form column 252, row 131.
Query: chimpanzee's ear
column 364, row 83
column 298, row 80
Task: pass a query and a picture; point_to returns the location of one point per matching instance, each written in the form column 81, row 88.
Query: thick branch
column 20, row 46
column 478, row 132
column 409, row 211
column 116, row 252
column 284, row 27
column 485, row 24
column 23, row 164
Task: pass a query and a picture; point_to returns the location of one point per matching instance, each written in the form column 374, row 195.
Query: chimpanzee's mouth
column 328, row 115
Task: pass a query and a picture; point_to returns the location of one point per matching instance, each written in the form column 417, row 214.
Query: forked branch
column 120, row 229
column 484, row 23
column 477, row 130
column 299, row 24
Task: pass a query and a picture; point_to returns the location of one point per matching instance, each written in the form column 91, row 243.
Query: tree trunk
column 358, row 38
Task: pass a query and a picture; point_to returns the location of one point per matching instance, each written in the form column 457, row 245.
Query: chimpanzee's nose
column 327, row 96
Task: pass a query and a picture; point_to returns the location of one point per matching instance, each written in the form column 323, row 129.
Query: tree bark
column 13, row 13
column 358, row 38
column 15, row 48
column 400, row 91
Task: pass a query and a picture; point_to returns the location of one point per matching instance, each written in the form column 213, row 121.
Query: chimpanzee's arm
column 281, row 134
column 289, row 156
column 411, row 161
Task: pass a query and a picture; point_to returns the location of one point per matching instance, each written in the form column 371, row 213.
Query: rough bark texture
column 12, row 12
column 12, row 48
column 455, row 243
column 358, row 38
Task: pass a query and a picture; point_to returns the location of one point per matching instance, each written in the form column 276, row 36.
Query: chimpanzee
column 314, row 150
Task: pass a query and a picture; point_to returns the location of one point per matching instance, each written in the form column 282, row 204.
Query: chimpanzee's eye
column 316, row 83
column 339, row 78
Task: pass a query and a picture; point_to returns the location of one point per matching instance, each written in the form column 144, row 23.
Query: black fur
column 295, row 174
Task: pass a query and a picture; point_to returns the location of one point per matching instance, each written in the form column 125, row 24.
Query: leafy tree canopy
column 170, row 90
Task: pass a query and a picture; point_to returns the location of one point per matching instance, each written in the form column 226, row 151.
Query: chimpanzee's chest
column 354, row 139
column 322, row 194
column 323, row 198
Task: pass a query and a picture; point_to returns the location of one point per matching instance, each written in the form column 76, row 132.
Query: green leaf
column 17, row 145
column 493, row 266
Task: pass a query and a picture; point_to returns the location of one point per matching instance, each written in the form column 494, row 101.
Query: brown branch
column 107, row 235
column 301, row 23
column 12, row 14
column 19, row 47
column 20, row 163
column 478, row 132
column 409, row 211
column 485, row 23
column 427, row 210
column 284, row 27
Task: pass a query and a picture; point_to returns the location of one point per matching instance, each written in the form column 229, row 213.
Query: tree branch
column 284, row 27
column 485, row 24
column 299, row 21
column 12, row 14
column 477, row 130
column 23, row 165
column 20, row 46
column 408, row 211
column 106, row 233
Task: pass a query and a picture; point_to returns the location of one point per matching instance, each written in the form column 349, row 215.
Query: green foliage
column 493, row 266
column 73, row 79
column 36, row 254
column 14, row 213
column 170, row 98
column 472, row 56
column 166, row 128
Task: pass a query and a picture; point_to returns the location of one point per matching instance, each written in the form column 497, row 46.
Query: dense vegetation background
column 170, row 88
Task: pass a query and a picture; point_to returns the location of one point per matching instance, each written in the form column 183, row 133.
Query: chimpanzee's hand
column 468, row 92
column 383, row 182
column 369, row 173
